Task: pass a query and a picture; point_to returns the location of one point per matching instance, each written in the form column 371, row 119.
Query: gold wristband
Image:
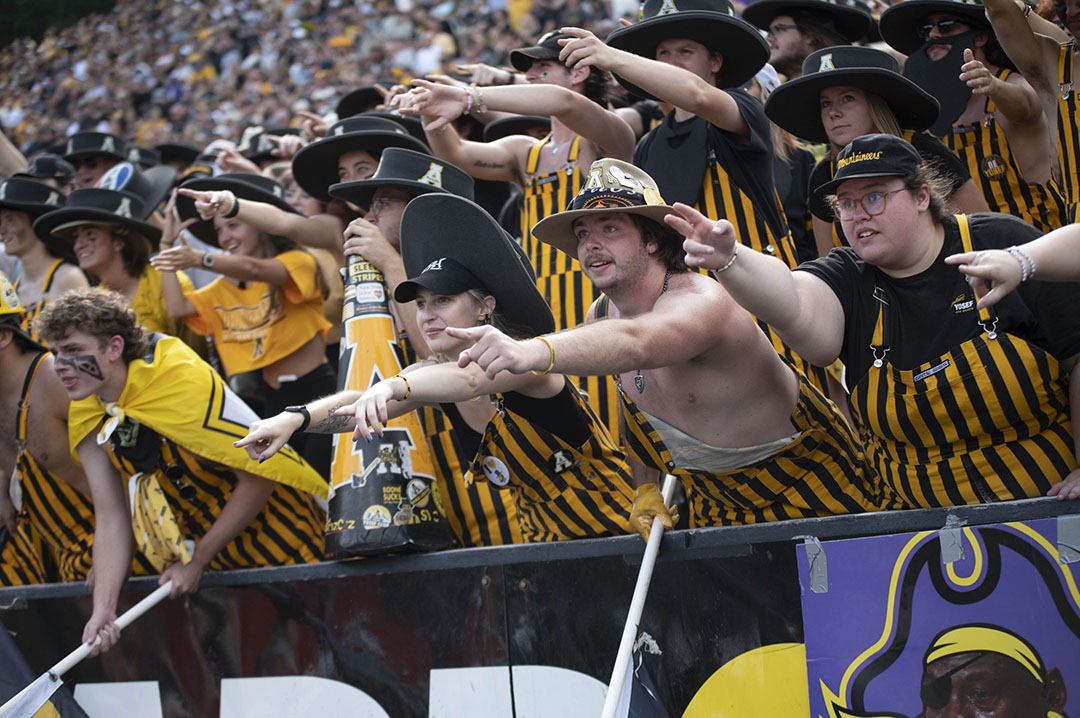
column 551, row 363
column 408, row 389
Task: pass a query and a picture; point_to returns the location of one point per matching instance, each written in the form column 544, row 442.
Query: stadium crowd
column 810, row 258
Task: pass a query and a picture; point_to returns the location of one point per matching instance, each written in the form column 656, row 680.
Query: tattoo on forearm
column 331, row 424
column 86, row 363
column 492, row 165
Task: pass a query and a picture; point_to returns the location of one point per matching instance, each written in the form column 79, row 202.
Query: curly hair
column 101, row 313
column 669, row 243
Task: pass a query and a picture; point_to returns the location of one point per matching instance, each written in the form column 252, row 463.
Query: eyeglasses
column 873, row 204
column 945, row 26
column 380, row 204
column 779, row 28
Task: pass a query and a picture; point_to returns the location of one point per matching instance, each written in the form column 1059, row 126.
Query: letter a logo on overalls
column 124, row 210
column 826, row 63
column 668, row 8
column 595, row 180
column 433, row 176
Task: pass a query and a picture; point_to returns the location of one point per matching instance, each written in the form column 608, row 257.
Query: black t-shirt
column 933, row 312
column 791, row 177
column 930, row 148
column 748, row 160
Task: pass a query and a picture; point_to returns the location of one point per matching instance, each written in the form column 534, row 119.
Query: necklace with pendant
column 639, row 380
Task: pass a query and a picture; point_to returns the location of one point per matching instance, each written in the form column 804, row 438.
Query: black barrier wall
column 501, row 631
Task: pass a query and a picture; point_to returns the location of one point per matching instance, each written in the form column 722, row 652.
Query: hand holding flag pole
column 637, row 606
column 11, row 709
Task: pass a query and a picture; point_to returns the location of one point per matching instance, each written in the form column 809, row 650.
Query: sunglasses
column 945, row 26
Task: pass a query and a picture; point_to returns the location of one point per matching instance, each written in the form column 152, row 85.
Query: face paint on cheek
column 543, row 75
column 86, row 363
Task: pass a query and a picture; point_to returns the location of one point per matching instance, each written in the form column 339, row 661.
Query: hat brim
column 360, row 192
column 433, row 282
column 411, row 123
column 831, row 186
column 743, row 49
column 8, row 323
column 315, row 166
column 55, row 246
column 852, row 22
column 515, row 125
column 204, row 228
column 558, row 231
column 523, row 58
column 899, row 24
column 90, row 153
column 172, row 152
column 476, row 241
column 68, row 218
column 795, row 105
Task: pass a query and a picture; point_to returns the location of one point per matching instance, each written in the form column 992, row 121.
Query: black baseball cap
column 49, row 166
column 873, row 156
column 546, row 48
column 444, row 275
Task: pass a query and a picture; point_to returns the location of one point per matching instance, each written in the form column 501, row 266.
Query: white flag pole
column 637, row 605
column 73, row 658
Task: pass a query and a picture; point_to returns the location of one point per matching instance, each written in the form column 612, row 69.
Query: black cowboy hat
column 546, row 48
column 411, row 123
column 795, row 106
column 612, row 186
column 151, row 185
column 48, row 166
column 412, row 171
column 256, row 188
column 476, row 243
column 36, row 198
column 98, row 206
column 710, row 22
column 177, row 152
column 11, row 312
column 362, row 99
column 315, row 166
column 144, row 157
column 851, row 18
column 514, row 125
column 899, row 24
column 258, row 147
column 95, row 143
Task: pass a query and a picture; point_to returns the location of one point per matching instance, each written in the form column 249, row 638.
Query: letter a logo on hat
column 53, row 199
column 3, row 190
column 826, row 63
column 433, row 176
column 595, row 180
column 108, row 145
column 668, row 8
column 124, row 210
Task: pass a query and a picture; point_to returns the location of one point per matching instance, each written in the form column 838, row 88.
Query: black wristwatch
column 302, row 410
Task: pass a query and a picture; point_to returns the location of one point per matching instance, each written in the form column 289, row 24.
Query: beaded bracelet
column 551, row 363
column 468, row 101
column 1027, row 264
column 408, row 389
column 734, row 254
column 481, row 106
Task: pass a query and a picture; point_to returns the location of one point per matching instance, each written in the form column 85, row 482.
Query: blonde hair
column 882, row 120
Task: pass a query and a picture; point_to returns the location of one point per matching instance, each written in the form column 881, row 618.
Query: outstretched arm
column 801, row 307
column 671, row 84
column 602, row 127
column 113, row 542
column 1054, row 256
column 1029, row 51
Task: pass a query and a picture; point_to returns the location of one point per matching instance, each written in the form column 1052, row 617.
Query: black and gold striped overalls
column 288, row 529
column 721, row 198
column 983, row 147
column 561, row 491
column 32, row 309
column 478, row 514
column 1068, row 131
column 558, row 275
column 988, row 421
column 61, row 515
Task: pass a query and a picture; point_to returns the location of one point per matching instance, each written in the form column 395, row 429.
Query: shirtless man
column 709, row 401
column 51, row 532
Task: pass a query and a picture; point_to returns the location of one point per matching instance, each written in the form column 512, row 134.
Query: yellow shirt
column 259, row 324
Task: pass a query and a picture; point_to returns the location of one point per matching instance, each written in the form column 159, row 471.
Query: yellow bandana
column 157, row 533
